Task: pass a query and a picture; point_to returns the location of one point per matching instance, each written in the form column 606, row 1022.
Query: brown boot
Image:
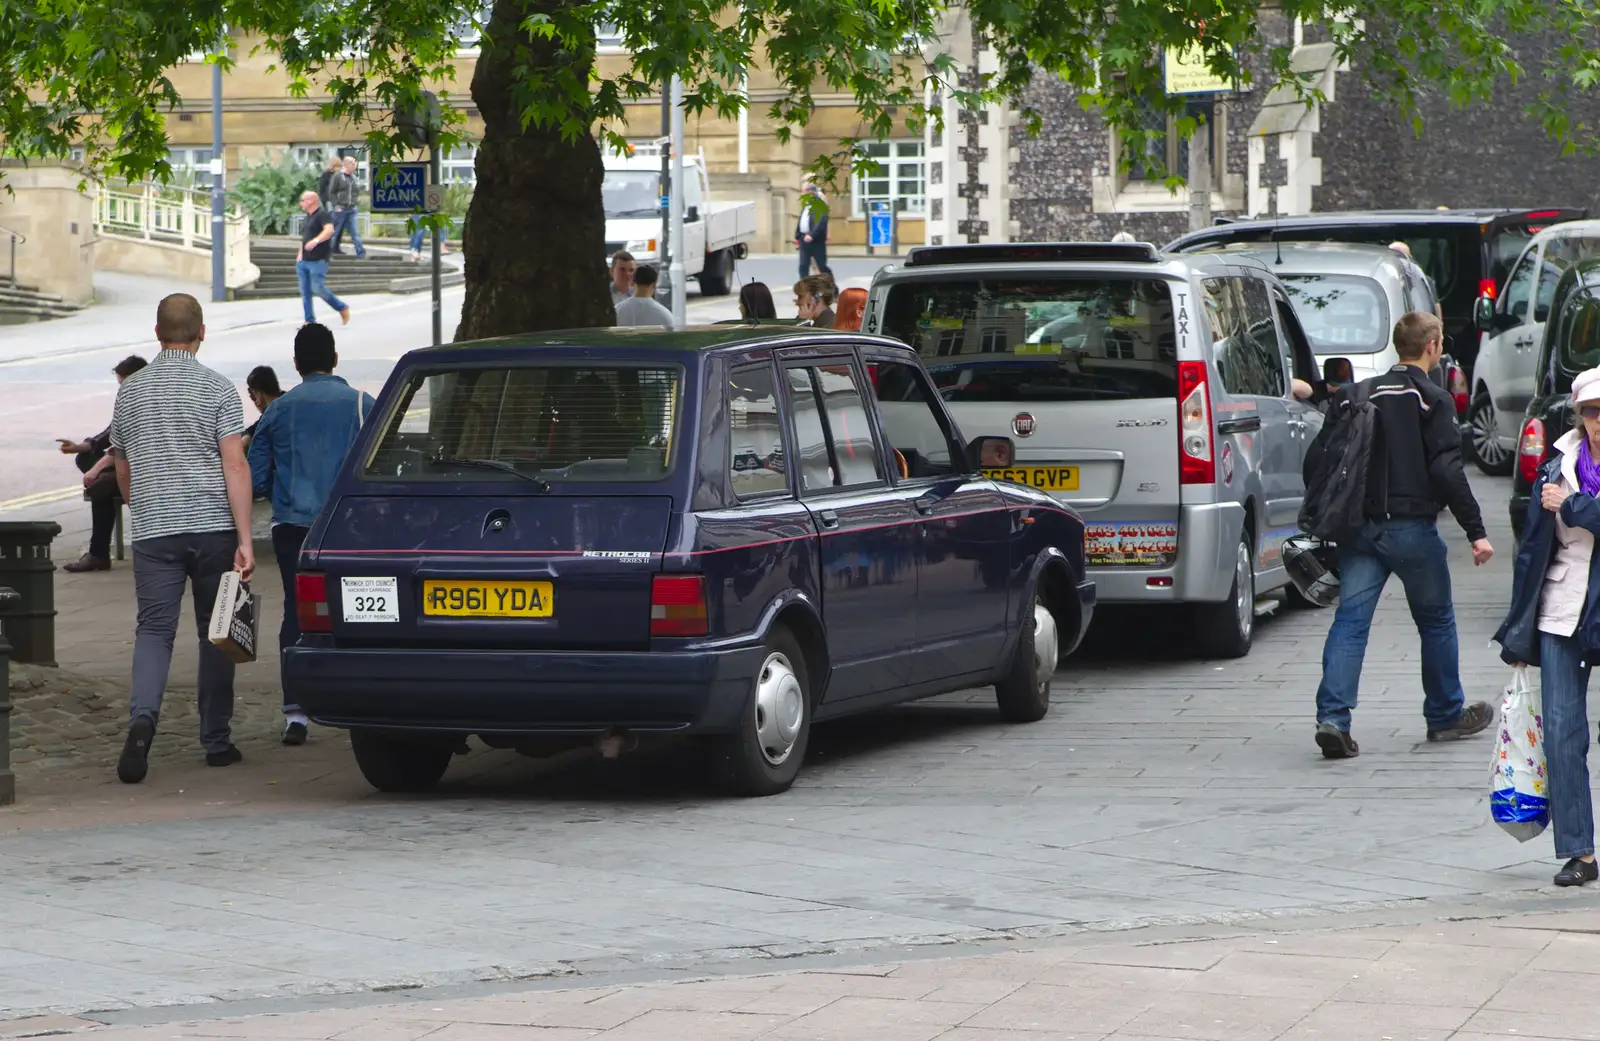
column 87, row 562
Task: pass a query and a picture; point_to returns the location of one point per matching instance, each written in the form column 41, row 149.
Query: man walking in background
column 325, row 181
column 311, row 263
column 300, row 443
column 641, row 308
column 1415, row 466
column 175, row 433
column 346, row 189
column 811, row 232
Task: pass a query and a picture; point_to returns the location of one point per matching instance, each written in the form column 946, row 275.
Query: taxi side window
column 1518, row 284
column 917, row 439
column 832, row 434
column 1244, row 337
column 755, row 437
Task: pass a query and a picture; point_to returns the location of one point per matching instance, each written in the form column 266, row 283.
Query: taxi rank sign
column 402, row 191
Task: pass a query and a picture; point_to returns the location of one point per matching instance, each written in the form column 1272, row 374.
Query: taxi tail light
column 1458, row 388
column 1486, row 287
column 311, row 603
column 1530, row 450
column 1196, row 463
column 678, row 605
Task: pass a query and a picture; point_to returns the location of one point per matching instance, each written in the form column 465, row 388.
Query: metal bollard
column 8, row 781
column 25, row 565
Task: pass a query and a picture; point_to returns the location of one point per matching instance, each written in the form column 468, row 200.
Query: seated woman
column 99, row 484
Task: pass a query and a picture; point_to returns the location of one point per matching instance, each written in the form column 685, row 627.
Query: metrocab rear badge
column 626, row 556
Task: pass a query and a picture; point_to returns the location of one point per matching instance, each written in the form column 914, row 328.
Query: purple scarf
column 1588, row 470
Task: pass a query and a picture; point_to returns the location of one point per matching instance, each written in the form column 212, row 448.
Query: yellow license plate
column 470, row 598
column 1046, row 478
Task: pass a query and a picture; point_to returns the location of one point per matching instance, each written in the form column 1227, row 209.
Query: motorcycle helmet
column 1313, row 567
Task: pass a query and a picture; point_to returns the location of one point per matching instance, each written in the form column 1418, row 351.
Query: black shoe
column 1473, row 719
column 135, row 760
column 294, row 734
column 1577, row 872
column 87, row 562
column 1336, row 743
column 226, row 757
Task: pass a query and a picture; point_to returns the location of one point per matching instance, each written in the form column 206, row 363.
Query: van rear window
column 546, row 423
column 1021, row 338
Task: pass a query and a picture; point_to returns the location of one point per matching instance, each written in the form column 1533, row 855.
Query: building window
column 608, row 38
column 1168, row 154
column 192, row 163
column 468, row 33
column 458, row 165
column 900, row 175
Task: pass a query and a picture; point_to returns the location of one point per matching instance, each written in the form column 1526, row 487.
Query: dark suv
column 1571, row 345
column 1467, row 253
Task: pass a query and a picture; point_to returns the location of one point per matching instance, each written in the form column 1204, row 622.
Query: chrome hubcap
column 1046, row 644
column 1245, row 600
column 1485, row 437
column 780, row 708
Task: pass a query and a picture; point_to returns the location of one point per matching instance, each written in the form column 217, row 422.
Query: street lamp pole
column 679, row 295
column 219, row 220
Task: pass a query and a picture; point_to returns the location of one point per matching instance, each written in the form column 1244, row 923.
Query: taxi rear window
column 550, row 424
column 1022, row 338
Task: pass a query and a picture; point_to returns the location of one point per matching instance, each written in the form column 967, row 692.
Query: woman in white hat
column 1554, row 621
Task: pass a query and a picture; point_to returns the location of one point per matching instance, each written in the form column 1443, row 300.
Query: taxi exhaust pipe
column 615, row 742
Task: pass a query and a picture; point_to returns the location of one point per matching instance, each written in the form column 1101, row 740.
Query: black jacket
column 819, row 228
column 1518, row 635
column 1416, row 465
column 323, row 183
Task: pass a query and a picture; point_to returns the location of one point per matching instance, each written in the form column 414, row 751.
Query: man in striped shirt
column 175, row 433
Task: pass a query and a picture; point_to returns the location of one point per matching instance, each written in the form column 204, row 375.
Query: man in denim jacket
column 299, row 446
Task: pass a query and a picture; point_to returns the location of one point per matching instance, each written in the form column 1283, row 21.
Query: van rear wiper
column 495, row 464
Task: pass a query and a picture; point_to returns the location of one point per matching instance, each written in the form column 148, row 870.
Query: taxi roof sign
column 1187, row 72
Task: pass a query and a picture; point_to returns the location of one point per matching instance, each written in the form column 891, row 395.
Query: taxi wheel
column 395, row 765
column 1226, row 630
column 1024, row 693
column 764, row 755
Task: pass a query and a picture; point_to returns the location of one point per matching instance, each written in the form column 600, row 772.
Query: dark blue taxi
column 734, row 532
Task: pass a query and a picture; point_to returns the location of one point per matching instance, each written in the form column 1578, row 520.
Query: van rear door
column 1080, row 370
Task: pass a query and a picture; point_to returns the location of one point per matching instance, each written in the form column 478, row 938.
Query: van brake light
column 311, row 603
column 1196, row 464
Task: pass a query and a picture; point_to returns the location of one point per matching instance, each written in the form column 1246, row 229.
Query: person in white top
column 641, row 308
column 1554, row 622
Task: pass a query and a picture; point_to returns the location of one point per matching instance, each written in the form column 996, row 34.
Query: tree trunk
column 535, row 234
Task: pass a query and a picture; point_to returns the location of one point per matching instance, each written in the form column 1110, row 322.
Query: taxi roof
column 694, row 339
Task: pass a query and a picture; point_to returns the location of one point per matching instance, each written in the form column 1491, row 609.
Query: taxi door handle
column 925, row 505
column 1239, row 426
column 828, row 518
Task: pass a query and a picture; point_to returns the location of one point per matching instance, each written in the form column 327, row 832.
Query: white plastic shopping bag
column 1519, row 786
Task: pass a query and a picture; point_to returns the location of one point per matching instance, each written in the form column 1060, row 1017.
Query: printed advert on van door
column 1137, row 544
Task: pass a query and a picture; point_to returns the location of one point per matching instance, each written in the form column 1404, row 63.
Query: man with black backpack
column 1394, row 438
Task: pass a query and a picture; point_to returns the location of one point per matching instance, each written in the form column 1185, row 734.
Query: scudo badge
column 1022, row 424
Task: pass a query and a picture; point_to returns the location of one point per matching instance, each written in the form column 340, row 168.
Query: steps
column 380, row 272
column 20, row 305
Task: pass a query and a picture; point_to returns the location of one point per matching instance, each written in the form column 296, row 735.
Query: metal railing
column 16, row 237
column 175, row 217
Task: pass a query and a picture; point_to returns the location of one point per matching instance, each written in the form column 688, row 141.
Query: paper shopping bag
column 1519, row 785
column 235, row 619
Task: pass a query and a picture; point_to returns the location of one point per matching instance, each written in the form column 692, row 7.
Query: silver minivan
column 1152, row 393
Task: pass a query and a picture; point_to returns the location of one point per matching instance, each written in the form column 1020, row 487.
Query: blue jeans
column 1564, row 691
column 416, row 239
column 161, row 568
column 1413, row 550
column 343, row 221
column 313, row 275
column 286, row 542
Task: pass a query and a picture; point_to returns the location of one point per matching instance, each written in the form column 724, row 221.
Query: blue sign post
column 880, row 227
column 403, row 191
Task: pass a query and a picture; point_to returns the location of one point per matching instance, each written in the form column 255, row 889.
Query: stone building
column 989, row 181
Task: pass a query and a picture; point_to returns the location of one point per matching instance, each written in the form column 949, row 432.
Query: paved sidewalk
column 1522, row 975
